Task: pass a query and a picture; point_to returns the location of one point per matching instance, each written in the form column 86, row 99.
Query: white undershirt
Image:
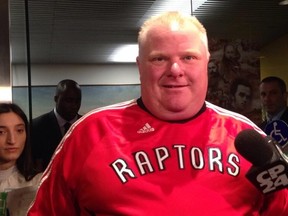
column 62, row 122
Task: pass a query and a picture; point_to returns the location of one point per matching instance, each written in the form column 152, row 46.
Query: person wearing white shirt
column 16, row 167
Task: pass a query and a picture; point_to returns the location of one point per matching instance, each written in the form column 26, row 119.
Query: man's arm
column 54, row 196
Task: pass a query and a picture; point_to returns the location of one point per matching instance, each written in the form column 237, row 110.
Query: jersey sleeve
column 57, row 194
column 53, row 196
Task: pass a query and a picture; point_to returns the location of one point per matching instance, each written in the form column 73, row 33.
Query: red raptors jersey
column 120, row 160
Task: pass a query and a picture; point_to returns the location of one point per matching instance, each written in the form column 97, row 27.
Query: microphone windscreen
column 253, row 147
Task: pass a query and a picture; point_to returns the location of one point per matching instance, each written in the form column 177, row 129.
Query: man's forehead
column 173, row 27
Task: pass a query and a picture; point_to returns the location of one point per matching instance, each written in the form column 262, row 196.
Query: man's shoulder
column 230, row 117
column 119, row 110
column 44, row 117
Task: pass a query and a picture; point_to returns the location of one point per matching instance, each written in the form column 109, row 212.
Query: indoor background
column 51, row 40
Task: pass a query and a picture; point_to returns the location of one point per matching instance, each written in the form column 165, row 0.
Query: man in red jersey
column 166, row 153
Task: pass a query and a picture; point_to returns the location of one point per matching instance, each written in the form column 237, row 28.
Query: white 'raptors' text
column 162, row 154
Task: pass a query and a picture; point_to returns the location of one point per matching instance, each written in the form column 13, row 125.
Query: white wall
column 110, row 74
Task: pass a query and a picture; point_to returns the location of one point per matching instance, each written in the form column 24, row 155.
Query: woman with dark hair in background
column 16, row 167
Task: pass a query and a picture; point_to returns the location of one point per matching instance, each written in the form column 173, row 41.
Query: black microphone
column 269, row 164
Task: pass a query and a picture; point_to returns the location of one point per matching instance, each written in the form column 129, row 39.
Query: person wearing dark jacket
column 49, row 128
column 273, row 94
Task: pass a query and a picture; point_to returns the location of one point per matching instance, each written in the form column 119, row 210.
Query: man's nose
column 176, row 70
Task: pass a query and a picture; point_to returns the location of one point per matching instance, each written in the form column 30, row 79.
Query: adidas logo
column 146, row 129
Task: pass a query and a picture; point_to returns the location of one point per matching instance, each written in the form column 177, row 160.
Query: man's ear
column 56, row 98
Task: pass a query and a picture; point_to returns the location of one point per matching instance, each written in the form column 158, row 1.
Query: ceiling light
column 124, row 53
column 129, row 52
column 285, row 2
column 6, row 94
column 183, row 6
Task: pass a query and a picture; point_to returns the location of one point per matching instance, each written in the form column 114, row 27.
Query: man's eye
column 189, row 57
column 158, row 59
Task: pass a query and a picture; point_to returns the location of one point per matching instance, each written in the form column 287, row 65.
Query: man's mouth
column 174, row 86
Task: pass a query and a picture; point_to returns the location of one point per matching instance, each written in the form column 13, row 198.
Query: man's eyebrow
column 156, row 53
column 192, row 51
column 20, row 124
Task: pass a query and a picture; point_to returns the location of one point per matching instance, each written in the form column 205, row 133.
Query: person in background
column 229, row 66
column 241, row 96
column 273, row 95
column 49, row 128
column 213, row 75
column 168, row 152
column 16, row 167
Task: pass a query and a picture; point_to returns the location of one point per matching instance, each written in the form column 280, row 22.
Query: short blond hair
column 167, row 19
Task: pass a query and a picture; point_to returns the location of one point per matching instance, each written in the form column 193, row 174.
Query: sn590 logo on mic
column 271, row 178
